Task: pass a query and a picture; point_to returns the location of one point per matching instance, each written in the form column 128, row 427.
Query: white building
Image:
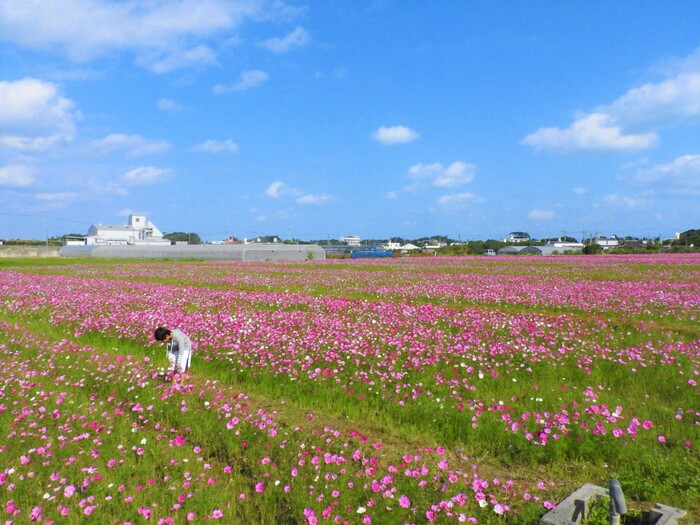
column 139, row 231
column 517, row 237
column 351, row 240
column 434, row 245
column 607, row 243
column 563, row 244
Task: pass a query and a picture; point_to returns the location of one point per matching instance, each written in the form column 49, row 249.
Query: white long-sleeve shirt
column 180, row 347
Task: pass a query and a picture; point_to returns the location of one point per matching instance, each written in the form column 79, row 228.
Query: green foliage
column 653, row 388
column 592, row 249
column 689, row 237
column 191, row 238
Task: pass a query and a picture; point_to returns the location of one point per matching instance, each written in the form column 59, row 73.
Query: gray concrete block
column 665, row 515
column 575, row 508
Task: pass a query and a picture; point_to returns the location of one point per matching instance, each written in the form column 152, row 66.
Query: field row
column 348, row 393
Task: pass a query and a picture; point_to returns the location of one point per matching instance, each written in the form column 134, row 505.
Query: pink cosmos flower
column 35, row 514
column 217, row 514
column 404, row 502
column 260, row 487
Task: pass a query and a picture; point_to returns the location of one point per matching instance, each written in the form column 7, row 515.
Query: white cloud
column 166, row 104
column 395, row 135
column 199, row 56
column 625, row 202
column 88, row 29
column 684, row 170
column 675, row 66
column 456, row 174
column 458, row 198
column 146, row 175
column 632, row 120
column 392, row 195
column 58, row 197
column 17, row 176
column 313, row 199
column 579, row 191
column 297, row 38
column 596, row 131
column 276, row 189
column 279, row 189
column 541, row 215
column 664, row 103
column 132, row 145
column 247, row 80
column 217, row 146
column 34, row 115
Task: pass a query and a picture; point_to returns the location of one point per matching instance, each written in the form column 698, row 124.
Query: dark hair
column 161, row 333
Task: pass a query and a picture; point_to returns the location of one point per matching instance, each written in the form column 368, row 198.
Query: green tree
column 191, row 238
column 593, row 248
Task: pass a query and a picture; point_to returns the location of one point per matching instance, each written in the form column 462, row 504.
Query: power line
column 44, row 216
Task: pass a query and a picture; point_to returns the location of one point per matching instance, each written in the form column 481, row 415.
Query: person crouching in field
column 179, row 352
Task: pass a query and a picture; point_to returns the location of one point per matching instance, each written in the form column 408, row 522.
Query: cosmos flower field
column 401, row 391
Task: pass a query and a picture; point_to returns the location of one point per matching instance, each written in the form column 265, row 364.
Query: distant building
column 229, row 240
column 565, row 243
column 392, row 246
column 434, row 245
column 351, row 240
column 517, row 237
column 607, row 243
column 547, row 249
column 139, row 231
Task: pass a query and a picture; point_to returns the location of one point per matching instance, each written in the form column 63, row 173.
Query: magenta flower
column 35, row 514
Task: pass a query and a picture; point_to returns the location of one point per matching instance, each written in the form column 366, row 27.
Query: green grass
column 650, row 471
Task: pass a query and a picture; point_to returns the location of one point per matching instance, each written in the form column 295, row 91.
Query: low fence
column 7, row 250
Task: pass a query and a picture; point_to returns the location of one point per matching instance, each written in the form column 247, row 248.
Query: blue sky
column 326, row 118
